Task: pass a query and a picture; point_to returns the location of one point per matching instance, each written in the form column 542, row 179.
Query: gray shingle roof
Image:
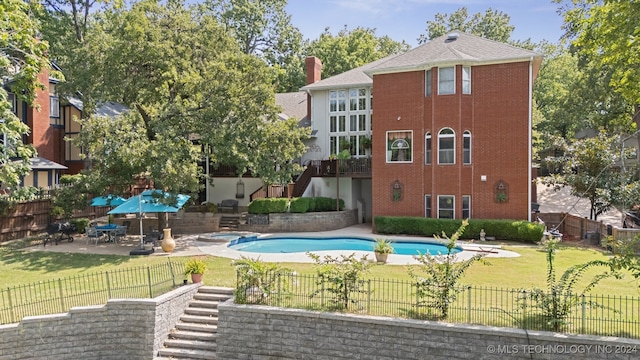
column 352, row 78
column 464, row 49
column 39, row 163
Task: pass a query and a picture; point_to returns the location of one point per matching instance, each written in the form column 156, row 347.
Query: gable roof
column 453, row 49
column 449, row 49
column 107, row 108
column 352, row 78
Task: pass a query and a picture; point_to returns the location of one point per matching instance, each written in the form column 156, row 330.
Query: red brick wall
column 496, row 114
column 43, row 138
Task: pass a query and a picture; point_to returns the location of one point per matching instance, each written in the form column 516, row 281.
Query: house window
column 446, row 206
column 427, row 149
column 466, row 206
column 427, row 206
column 446, row 146
column 466, row 147
column 399, row 147
column 337, row 100
column 427, row 82
column 54, row 107
column 11, row 98
column 466, row 79
column 446, row 80
column 357, row 99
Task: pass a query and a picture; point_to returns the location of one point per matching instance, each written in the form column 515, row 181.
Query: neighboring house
column 450, row 126
column 46, row 133
column 49, row 126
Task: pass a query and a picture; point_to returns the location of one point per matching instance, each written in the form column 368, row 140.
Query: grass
column 529, row 270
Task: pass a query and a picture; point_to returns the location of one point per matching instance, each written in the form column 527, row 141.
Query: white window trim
column 453, row 136
column 52, row 113
column 429, row 149
column 430, row 205
column 386, row 146
column 467, row 134
column 428, row 77
column 454, row 80
column 466, row 80
column 453, row 205
column 469, row 197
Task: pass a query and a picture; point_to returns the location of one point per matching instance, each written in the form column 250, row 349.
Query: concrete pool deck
column 190, row 245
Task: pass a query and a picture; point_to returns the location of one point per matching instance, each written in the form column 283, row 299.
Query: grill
column 57, row 231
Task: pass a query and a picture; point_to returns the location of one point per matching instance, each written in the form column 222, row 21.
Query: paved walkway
column 188, row 245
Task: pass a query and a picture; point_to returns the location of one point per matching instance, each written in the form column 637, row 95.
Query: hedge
column 297, row 205
column 517, row 230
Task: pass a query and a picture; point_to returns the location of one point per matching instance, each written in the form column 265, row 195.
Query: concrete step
column 199, row 319
column 190, row 344
column 176, row 353
column 197, row 327
column 193, row 335
column 201, row 311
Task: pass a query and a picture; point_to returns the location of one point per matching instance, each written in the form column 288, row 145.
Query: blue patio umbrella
column 150, row 201
column 108, row 200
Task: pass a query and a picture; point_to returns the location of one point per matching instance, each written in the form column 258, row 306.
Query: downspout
column 530, row 149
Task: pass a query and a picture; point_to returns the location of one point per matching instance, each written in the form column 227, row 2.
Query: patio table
column 108, row 228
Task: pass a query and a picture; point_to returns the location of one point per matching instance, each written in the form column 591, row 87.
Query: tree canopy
column 350, row 49
column 492, row 25
column 186, row 82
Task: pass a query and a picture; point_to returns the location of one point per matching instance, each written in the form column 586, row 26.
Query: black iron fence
column 60, row 295
column 606, row 315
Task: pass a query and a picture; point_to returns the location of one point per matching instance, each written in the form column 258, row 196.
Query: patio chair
column 119, row 233
column 93, row 233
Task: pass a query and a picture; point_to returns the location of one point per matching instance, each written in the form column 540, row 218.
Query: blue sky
column 407, row 19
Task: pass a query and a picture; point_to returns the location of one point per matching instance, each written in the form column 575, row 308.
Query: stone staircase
column 194, row 336
column 229, row 222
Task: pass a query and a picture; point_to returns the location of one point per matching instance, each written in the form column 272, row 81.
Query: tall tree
column 22, row 58
column 352, row 48
column 492, row 25
column 606, row 33
column 184, row 78
column 263, row 28
column 587, row 167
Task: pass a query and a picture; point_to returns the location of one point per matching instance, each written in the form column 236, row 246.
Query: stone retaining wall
column 122, row 329
column 305, row 222
column 268, row 333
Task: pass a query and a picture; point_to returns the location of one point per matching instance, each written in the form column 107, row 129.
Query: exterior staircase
column 229, row 222
column 194, row 336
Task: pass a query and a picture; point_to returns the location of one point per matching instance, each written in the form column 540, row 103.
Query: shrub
column 80, row 224
column 500, row 229
column 299, row 205
column 257, row 280
column 268, row 205
column 327, row 204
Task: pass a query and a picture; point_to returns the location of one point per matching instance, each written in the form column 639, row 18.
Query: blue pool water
column 294, row 245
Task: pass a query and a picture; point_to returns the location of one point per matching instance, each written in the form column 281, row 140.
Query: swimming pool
column 303, row 244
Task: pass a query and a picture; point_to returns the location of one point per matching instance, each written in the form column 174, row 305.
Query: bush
column 517, row 230
column 327, row 204
column 299, row 205
column 268, row 206
column 80, row 224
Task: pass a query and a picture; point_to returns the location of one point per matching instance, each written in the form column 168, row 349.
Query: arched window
column 427, row 149
column 446, row 146
column 466, row 147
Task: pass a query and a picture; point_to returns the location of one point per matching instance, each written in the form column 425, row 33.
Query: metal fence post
column 61, row 295
column 524, row 309
column 322, row 297
column 584, row 315
column 173, row 275
column 279, row 289
column 108, row 285
column 150, row 287
column 469, row 304
column 368, row 295
column 13, row 311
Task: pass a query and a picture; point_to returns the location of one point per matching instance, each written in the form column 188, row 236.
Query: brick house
column 450, row 126
column 50, row 121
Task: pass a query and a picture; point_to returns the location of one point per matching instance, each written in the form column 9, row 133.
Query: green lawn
column 528, row 270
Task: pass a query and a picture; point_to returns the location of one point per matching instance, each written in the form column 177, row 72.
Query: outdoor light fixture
column 240, row 190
